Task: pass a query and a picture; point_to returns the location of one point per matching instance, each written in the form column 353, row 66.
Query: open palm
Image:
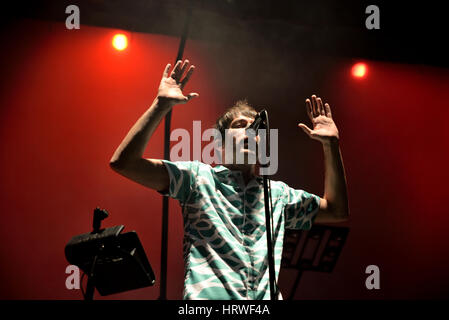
column 171, row 86
column 324, row 128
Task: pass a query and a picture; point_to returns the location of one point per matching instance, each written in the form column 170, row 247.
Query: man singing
column 225, row 243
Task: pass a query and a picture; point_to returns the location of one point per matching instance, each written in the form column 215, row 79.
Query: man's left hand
column 324, row 128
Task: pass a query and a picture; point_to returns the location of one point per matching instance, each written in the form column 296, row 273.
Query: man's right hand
column 172, row 84
column 128, row 158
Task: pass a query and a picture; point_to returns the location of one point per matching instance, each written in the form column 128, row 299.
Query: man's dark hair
column 241, row 107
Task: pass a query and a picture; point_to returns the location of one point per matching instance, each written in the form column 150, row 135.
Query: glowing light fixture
column 120, row 42
column 359, row 70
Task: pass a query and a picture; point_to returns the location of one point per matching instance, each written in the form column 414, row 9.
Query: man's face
column 241, row 141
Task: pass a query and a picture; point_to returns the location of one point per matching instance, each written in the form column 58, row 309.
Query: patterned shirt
column 225, row 244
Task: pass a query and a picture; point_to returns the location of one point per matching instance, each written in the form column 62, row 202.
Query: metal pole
column 164, row 240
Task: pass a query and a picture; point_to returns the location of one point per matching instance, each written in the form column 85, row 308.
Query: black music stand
column 113, row 262
column 315, row 250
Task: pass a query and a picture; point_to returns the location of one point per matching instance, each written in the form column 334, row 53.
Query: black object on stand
column 317, row 249
column 113, row 262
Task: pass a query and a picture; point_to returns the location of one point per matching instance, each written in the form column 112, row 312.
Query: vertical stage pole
column 164, row 240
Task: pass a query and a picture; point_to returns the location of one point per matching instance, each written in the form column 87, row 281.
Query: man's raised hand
column 324, row 128
column 172, row 84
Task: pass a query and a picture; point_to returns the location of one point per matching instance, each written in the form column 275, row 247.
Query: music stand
column 315, row 250
column 113, row 262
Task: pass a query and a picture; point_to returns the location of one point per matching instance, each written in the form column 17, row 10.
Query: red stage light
column 120, row 42
column 359, row 70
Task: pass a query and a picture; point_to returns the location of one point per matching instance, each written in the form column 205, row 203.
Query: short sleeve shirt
column 225, row 244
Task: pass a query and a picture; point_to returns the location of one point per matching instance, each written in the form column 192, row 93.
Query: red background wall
column 68, row 99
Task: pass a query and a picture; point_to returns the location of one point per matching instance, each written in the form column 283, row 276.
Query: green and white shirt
column 225, row 244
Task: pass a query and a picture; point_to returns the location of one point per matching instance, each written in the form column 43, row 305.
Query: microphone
column 259, row 120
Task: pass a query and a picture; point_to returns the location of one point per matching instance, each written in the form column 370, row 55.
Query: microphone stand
column 268, row 207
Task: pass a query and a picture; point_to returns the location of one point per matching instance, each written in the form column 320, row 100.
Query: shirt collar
column 223, row 171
